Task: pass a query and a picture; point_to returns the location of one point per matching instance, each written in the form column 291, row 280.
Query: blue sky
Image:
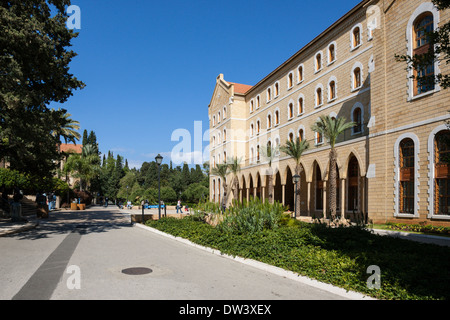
column 150, row 66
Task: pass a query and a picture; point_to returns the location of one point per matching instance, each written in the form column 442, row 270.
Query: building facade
column 390, row 165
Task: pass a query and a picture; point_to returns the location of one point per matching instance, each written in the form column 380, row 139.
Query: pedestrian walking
column 179, row 206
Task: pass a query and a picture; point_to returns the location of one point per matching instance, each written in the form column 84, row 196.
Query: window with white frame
column 277, row 116
column 424, row 19
column 357, row 76
column 356, row 36
column 332, row 90
column 269, row 121
column 290, row 110
column 319, row 95
column 252, row 129
column 318, row 61
column 301, row 105
column 258, row 102
column 331, row 52
column 269, row 94
column 300, row 70
column 290, row 80
column 276, row 89
column 224, row 113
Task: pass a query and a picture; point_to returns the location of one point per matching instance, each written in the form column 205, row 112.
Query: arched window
column 300, row 73
column 252, row 155
column 357, row 78
column 291, row 136
column 331, row 53
column 423, row 25
column 258, row 102
column 357, row 118
column 301, row 134
column 218, row 117
column 319, row 100
column 406, row 183
column 318, row 61
column 258, row 127
column 442, row 173
column 319, row 138
column 277, row 89
column 331, row 90
column 290, row 110
column 277, row 117
column 214, row 121
column 224, row 135
column 257, row 154
column 356, row 36
column 224, row 112
column 252, row 130
column 290, row 80
column 269, row 121
column 269, row 94
column 300, row 109
column 252, row 106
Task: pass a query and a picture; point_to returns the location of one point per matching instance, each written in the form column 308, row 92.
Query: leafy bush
column 250, row 217
column 419, row 228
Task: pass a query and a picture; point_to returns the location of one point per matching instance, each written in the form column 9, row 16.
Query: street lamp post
column 159, row 160
column 296, row 179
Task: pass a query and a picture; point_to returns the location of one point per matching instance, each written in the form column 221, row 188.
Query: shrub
column 250, row 217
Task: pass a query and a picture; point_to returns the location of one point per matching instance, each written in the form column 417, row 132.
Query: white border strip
column 268, row 268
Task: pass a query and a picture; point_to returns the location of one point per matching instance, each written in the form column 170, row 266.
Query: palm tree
column 234, row 166
column 295, row 150
column 67, row 126
column 221, row 170
column 331, row 128
column 85, row 166
column 270, row 153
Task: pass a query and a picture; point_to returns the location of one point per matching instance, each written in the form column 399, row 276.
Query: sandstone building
column 390, row 164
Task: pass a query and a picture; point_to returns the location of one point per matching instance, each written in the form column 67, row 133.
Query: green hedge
column 339, row 256
column 440, row 230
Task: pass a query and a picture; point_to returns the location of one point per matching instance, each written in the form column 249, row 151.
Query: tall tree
column 34, row 71
column 331, row 128
column 221, row 170
column 269, row 154
column 234, row 167
column 67, row 128
column 295, row 150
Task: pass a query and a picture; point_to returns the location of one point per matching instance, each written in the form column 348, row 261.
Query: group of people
column 180, row 207
column 46, row 199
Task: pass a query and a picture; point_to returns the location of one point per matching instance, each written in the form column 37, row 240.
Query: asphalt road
column 81, row 256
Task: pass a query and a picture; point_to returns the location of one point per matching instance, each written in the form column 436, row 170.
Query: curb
column 352, row 295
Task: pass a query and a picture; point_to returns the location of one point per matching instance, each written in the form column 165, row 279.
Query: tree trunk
column 270, row 186
column 298, row 170
column 236, row 189
column 332, row 184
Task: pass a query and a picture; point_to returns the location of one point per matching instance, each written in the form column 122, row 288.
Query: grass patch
column 339, row 256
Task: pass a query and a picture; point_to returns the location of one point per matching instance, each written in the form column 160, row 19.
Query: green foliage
column 194, row 193
column 12, row 178
column 252, row 216
column 339, row 256
column 419, row 228
column 34, row 72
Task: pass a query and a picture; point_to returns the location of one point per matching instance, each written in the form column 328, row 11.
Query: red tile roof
column 71, row 148
column 240, row 88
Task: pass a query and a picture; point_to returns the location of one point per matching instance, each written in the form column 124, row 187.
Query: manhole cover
column 137, row 271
